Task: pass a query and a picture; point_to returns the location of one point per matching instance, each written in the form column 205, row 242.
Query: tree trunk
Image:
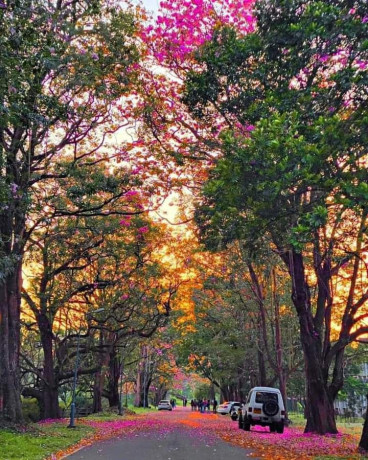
column 320, row 411
column 105, row 360
column 113, row 380
column 97, row 392
column 262, row 377
column 10, row 401
column 363, row 444
column 225, row 393
column 278, row 343
column 50, row 400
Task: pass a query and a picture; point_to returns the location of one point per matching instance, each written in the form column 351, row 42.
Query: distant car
column 164, row 405
column 228, row 407
column 265, row 407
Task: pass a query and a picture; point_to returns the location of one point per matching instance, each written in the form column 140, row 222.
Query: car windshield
column 164, row 402
column 263, row 396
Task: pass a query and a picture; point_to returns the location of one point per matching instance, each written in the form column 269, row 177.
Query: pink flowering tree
column 297, row 181
column 170, row 43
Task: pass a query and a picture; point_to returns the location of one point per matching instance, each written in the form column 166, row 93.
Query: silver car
column 164, row 404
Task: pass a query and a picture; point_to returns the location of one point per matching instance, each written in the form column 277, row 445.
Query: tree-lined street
column 180, row 435
column 184, row 215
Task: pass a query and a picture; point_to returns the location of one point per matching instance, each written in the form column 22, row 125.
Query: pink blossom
column 125, row 297
column 143, row 229
column 324, row 58
column 94, row 56
column 251, row 128
column 131, row 193
column 136, row 170
column 362, row 64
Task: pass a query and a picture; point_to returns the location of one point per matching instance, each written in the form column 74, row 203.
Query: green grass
column 346, row 427
column 110, row 416
column 142, row 410
column 40, row 442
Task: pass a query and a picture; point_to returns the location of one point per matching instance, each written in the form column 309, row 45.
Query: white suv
column 264, row 407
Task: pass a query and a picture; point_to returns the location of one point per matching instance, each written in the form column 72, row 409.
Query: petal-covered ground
column 292, row 444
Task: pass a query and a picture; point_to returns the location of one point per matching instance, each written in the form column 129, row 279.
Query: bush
column 31, row 410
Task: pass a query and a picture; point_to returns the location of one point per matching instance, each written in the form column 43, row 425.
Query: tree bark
column 10, row 401
column 278, row 343
column 97, row 392
column 50, row 395
column 320, row 410
column 363, row 443
column 113, row 379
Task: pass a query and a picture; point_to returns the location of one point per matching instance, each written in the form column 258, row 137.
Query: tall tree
column 63, row 65
column 294, row 94
column 80, row 267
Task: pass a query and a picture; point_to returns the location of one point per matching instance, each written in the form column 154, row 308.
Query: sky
column 151, row 5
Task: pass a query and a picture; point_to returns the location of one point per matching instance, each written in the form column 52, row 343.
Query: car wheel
column 272, row 428
column 234, row 416
column 270, row 408
column 280, row 428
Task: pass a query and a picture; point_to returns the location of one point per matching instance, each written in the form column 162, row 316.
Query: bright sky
column 151, row 5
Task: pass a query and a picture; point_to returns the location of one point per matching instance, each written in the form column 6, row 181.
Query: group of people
column 203, row 405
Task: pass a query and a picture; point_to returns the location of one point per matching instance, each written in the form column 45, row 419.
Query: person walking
column 214, row 406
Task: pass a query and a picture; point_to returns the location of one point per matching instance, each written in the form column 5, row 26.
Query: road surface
column 180, row 435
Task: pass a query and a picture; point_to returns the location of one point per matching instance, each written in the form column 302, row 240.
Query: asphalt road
column 176, row 443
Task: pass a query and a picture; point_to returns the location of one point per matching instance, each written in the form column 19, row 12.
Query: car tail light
column 250, row 409
column 282, row 412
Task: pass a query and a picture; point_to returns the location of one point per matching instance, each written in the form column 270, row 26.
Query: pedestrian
column 208, row 404
column 192, row 404
column 214, row 406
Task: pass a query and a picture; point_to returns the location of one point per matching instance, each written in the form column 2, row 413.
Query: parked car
column 235, row 411
column 265, row 407
column 164, row 404
column 228, row 407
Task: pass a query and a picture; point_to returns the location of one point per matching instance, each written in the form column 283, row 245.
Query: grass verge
column 41, row 441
